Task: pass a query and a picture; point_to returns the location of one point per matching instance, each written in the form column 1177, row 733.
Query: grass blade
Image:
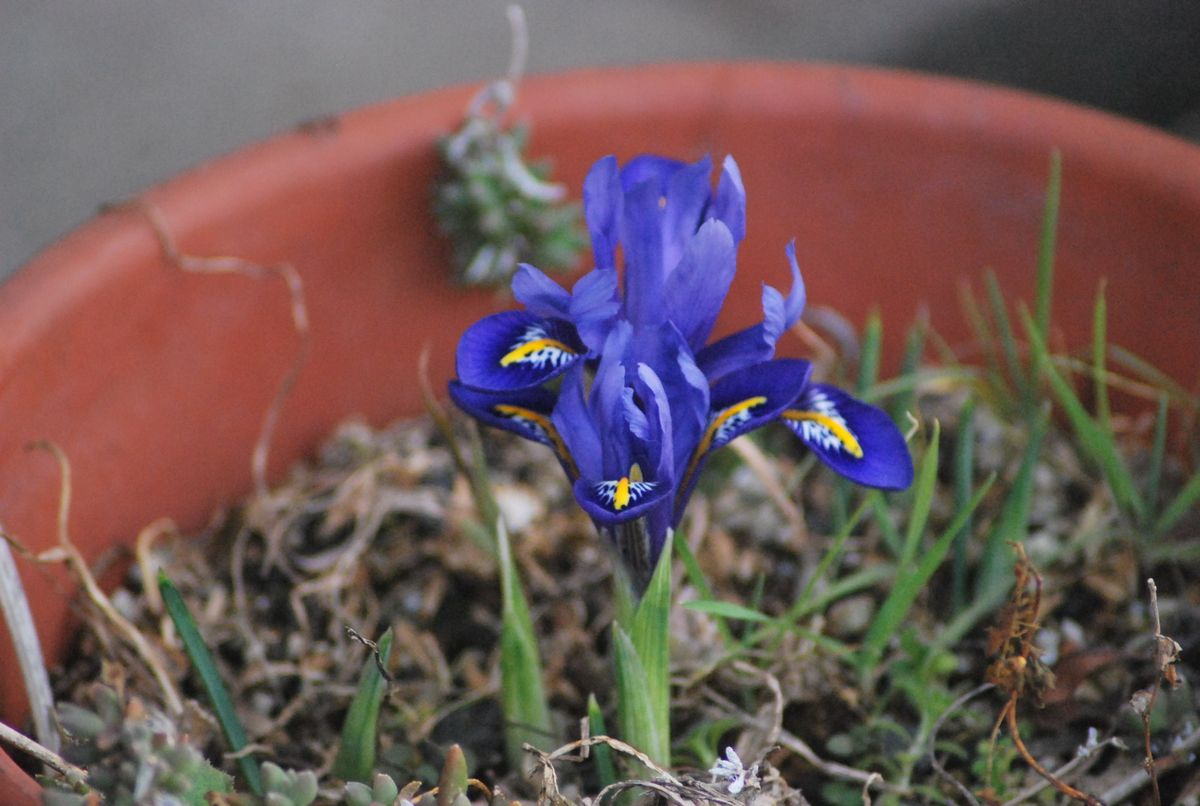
column 639, row 723
column 995, row 571
column 964, row 482
column 910, row 581
column 696, row 576
column 731, row 610
column 1100, row 445
column 218, row 695
column 922, row 498
column 1008, row 343
column 522, row 695
column 1158, row 450
column 356, row 752
column 1100, row 359
column 868, row 360
column 1178, row 507
column 606, row 770
column 1045, row 264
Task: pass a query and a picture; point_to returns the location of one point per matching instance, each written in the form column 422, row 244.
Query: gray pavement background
column 101, row 98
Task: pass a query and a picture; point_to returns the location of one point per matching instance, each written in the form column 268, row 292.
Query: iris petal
column 697, row 288
column 743, row 401
column 614, row 501
column 602, row 201
column 856, row 439
column 729, row 203
column 594, row 306
column 576, row 425
column 525, row 412
column 642, row 242
column 516, row 350
column 539, row 294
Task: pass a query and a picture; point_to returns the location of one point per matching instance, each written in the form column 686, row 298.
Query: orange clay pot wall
column 896, row 187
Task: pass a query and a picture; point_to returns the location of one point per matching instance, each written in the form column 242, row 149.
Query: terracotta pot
column 895, row 187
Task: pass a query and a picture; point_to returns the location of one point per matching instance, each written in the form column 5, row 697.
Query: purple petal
column 539, row 294
column 729, row 203
column 856, row 439
column 618, row 500
column 793, row 306
column 516, row 350
column 658, row 412
column 642, row 244
column 697, row 288
column 602, row 201
column 575, row 425
column 525, row 412
column 687, row 195
column 744, row 400
column 594, row 306
column 649, row 167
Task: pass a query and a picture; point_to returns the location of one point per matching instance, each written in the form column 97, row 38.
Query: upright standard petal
column 516, row 350
column 602, row 202
column 697, row 288
column 729, row 203
column 856, row 439
column 642, row 244
column 594, row 306
column 744, row 400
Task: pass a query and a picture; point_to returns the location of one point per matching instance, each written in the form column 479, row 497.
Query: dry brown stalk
column 66, row 552
column 1018, row 671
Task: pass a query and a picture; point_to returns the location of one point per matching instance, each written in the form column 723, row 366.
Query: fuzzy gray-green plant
column 133, row 754
column 497, row 209
column 382, row 792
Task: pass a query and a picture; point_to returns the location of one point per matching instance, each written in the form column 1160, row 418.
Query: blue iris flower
column 624, row 385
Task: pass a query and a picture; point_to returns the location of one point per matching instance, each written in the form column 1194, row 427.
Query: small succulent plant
column 382, row 792
column 134, row 754
column 498, row 210
column 288, row 787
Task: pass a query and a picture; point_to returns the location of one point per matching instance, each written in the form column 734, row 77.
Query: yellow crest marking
column 523, row 351
column 737, row 410
column 838, row 429
column 621, row 494
column 547, row 427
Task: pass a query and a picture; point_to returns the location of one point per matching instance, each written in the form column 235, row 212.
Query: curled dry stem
column 228, row 264
column 66, row 552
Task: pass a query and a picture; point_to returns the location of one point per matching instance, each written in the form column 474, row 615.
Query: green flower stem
column 641, row 656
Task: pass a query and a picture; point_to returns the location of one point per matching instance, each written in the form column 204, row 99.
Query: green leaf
column 910, row 581
column 1045, row 264
column 1100, row 358
column 640, row 725
column 1158, row 452
column 453, row 783
column 218, row 695
column 995, row 572
column 964, row 482
column 1008, row 342
column 922, row 498
column 727, row 610
column 522, row 695
column 868, row 357
column 606, row 771
column 356, row 752
column 1184, row 501
column 696, row 576
column 1099, row 445
column 649, row 633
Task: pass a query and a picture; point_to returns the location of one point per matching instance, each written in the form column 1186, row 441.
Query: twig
column 68, row 553
column 1087, row 756
column 1137, row 779
column 933, row 732
column 226, row 264
column 21, row 627
column 374, row 647
column 766, row 472
column 792, row 742
column 1062, row 786
column 14, row 738
column 1166, row 655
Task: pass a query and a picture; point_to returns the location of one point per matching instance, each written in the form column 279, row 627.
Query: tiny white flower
column 735, row 775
